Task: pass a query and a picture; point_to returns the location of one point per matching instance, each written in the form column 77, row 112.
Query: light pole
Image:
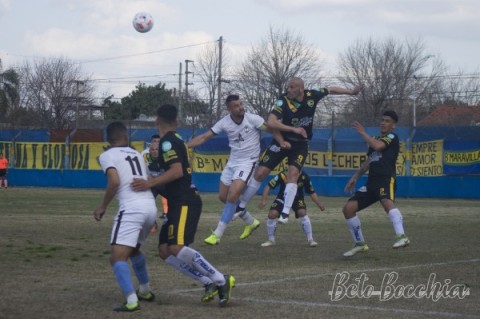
column 415, row 102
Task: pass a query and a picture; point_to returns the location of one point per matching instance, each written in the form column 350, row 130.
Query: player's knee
column 222, row 198
column 273, row 214
column 261, row 173
column 163, row 251
column 349, row 210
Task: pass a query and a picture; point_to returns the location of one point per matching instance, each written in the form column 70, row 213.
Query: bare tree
column 281, row 55
column 9, row 82
column 461, row 89
column 397, row 74
column 208, row 69
column 55, row 89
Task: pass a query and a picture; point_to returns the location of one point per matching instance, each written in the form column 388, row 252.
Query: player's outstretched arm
column 200, row 139
column 338, row 90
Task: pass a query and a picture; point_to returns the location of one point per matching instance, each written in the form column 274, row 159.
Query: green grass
column 54, row 261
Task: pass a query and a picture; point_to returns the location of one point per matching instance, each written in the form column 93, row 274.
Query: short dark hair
column 391, row 114
column 167, row 112
column 232, row 97
column 154, row 136
column 116, row 131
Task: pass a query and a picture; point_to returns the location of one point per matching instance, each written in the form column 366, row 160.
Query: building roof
column 460, row 115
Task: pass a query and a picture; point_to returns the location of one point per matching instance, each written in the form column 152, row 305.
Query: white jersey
column 243, row 138
column 129, row 165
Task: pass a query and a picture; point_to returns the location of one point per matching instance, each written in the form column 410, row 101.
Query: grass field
column 54, row 262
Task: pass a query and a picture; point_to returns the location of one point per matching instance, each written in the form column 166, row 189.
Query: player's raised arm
column 200, row 139
column 344, row 91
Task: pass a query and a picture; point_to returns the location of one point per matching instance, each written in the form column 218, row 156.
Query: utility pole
column 186, row 82
column 180, row 101
column 415, row 101
column 186, row 77
column 220, row 53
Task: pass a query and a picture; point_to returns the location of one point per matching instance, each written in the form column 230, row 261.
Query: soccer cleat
column 212, row 239
column 250, row 228
column 210, row 292
column 268, row 243
column 312, row 243
column 401, row 241
column 149, row 296
column 358, row 248
column 283, row 219
column 225, row 291
column 128, row 307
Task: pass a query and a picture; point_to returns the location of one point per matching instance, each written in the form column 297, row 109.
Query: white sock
column 132, row 298
column 193, row 258
column 397, row 221
column 220, row 229
column 252, row 188
column 247, row 218
column 288, row 197
column 187, row 270
column 355, row 228
column 144, row 288
column 271, row 229
column 307, row 227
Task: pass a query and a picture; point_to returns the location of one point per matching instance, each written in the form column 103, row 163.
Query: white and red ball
column 143, row 22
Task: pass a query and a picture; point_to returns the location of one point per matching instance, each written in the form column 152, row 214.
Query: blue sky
column 96, row 32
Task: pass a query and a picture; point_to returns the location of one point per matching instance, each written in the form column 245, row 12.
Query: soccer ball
column 143, row 22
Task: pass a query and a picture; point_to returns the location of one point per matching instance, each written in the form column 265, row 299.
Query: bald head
column 295, row 88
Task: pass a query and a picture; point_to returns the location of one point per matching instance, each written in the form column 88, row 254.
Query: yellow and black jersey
column 173, row 150
column 298, row 114
column 383, row 163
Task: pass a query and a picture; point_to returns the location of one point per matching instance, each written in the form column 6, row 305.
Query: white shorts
column 243, row 171
column 131, row 226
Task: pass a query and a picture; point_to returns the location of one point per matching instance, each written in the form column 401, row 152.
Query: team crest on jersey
column 391, row 136
column 265, row 158
column 310, row 103
column 246, row 129
column 166, row 146
column 279, row 103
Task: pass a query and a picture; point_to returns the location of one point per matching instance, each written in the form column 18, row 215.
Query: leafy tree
column 143, row 100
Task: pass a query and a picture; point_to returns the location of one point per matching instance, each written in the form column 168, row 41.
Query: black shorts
column 274, row 155
column 181, row 222
column 376, row 189
column 298, row 203
column 3, row 172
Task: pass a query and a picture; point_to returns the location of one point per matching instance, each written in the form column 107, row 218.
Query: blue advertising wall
column 439, row 162
column 411, row 187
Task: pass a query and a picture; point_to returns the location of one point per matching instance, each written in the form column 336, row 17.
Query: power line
column 144, row 53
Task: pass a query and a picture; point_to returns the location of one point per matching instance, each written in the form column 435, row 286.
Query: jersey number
column 136, row 169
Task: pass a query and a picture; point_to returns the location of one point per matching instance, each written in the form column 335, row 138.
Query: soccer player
column 3, row 171
column 380, row 163
column 293, row 116
column 153, row 167
column 299, row 207
column 243, row 131
column 184, row 202
column 136, row 215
